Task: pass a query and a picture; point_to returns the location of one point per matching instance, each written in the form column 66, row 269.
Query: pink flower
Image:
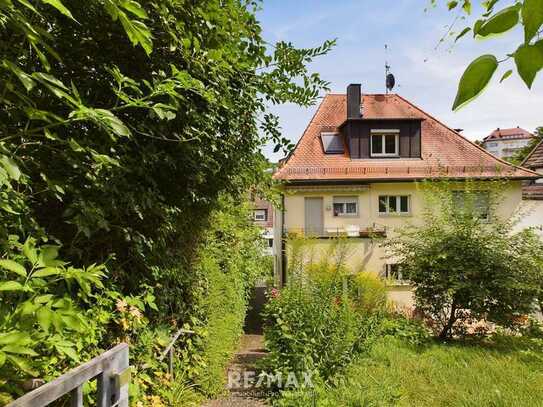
column 274, row 293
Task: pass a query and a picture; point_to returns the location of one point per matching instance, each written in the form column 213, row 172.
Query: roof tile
column 445, row 153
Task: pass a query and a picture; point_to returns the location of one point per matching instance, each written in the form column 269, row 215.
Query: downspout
column 283, row 244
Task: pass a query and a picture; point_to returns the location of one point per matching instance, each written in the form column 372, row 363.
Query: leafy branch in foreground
column 528, row 57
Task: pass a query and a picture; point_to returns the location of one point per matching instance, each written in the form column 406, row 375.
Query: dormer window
column 385, row 143
column 332, row 143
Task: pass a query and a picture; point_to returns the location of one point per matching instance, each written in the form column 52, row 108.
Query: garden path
column 251, row 350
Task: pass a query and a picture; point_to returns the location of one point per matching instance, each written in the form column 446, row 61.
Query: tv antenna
column 390, row 81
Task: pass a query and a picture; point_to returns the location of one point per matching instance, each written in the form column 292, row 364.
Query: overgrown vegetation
column 129, row 134
column 325, row 316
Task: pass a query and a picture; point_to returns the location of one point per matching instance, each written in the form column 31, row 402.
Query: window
column 394, row 204
column 260, row 215
column 478, row 202
column 385, row 143
column 346, row 206
column 332, row 143
column 393, row 272
column 492, row 144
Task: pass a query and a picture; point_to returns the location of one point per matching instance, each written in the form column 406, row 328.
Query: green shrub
column 43, row 314
column 369, row 292
column 467, row 263
column 407, row 330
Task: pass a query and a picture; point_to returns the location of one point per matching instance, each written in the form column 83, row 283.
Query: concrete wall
column 364, row 254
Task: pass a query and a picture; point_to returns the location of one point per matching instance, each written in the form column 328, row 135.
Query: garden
column 472, row 340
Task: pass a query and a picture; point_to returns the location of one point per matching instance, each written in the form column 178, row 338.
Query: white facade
column 505, row 148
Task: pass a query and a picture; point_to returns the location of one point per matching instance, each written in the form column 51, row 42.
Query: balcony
column 347, row 231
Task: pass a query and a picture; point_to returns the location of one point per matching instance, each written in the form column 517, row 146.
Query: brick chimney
column 353, row 101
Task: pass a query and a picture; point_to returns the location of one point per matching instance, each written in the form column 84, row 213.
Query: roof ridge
column 463, row 138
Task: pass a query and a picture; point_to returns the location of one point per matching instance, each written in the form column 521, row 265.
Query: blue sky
column 424, row 75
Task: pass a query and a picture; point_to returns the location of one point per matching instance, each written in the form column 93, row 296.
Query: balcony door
column 314, row 222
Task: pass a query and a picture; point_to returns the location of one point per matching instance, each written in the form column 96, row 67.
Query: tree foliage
column 124, row 123
column 127, row 120
column 463, row 265
column 497, row 18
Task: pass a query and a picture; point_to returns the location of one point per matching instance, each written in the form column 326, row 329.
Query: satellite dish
column 390, row 82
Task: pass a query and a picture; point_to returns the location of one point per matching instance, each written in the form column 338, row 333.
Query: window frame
column 383, row 133
column 398, row 211
column 347, row 199
column 255, row 211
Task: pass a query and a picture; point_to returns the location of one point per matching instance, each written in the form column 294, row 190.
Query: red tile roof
column 513, row 133
column 535, row 158
column 444, row 151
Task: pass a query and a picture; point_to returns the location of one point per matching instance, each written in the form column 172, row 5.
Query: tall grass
column 508, row 372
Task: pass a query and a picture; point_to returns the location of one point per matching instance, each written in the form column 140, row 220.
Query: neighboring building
column 263, row 217
column 504, row 143
column 354, row 169
column 532, row 192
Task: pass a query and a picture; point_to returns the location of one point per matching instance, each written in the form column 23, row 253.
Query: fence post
column 170, row 362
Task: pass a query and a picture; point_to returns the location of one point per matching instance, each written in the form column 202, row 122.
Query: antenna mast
column 389, row 78
column 387, row 68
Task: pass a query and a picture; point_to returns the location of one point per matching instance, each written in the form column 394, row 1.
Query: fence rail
column 112, row 371
column 170, row 350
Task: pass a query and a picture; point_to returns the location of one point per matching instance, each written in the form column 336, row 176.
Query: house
column 263, row 218
column 354, row 172
column 504, row 143
column 532, row 192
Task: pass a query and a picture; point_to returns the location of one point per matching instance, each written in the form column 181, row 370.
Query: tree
column 127, row 120
column 464, row 260
column 528, row 57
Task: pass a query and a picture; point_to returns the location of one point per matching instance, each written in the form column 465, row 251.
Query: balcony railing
column 349, row 231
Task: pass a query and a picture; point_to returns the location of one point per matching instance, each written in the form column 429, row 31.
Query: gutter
column 350, row 181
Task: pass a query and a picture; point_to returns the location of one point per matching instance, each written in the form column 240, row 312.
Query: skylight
column 332, row 143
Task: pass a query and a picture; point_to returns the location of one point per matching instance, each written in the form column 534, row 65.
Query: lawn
column 504, row 372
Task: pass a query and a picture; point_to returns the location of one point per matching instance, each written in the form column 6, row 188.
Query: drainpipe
column 283, row 244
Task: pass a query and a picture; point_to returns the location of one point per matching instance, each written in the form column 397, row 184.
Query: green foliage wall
column 123, row 125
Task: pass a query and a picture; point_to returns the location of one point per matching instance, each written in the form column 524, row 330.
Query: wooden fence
column 110, row 369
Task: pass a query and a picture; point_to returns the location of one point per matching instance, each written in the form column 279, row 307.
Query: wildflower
column 136, row 313
column 121, row 305
column 274, row 293
column 124, row 324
